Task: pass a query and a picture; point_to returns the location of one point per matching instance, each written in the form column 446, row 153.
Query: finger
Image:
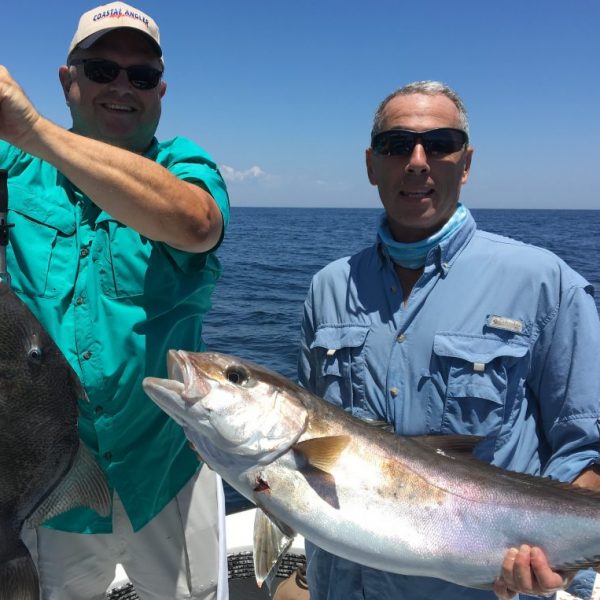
column 546, row 579
column 508, row 565
column 523, row 577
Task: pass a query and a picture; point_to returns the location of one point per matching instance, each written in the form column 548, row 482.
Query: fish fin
column 272, row 540
column 83, row 485
column 380, row 425
column 577, row 565
column 18, row 576
column 461, row 446
column 450, row 444
column 322, row 452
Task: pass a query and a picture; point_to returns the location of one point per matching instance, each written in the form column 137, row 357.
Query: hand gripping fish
column 412, row 505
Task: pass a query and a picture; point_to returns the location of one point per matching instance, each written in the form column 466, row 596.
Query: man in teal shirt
column 112, row 249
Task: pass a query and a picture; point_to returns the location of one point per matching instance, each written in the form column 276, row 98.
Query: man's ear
column 64, row 75
column 369, row 163
column 467, row 165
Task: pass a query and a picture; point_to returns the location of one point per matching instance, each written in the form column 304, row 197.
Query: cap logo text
column 118, row 13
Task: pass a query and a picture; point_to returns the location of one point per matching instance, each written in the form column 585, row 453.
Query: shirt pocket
column 42, row 245
column 340, row 353
column 121, row 255
column 472, row 375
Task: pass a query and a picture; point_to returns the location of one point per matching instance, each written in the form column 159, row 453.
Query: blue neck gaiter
column 413, row 255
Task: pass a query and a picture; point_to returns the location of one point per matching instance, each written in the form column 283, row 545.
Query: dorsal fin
column 450, row 444
column 323, row 452
column 577, row 565
column 461, row 447
column 380, row 425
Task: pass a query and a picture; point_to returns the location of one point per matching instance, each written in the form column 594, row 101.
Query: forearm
column 135, row 190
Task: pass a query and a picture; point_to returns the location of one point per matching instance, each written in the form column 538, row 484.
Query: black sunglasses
column 101, row 70
column 436, row 142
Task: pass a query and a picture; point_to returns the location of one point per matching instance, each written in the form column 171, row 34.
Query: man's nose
column 122, row 80
column 417, row 162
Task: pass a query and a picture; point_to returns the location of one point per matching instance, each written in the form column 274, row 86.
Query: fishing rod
column 4, row 226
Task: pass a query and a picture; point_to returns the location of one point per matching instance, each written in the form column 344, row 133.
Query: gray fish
column 412, row 505
column 44, row 470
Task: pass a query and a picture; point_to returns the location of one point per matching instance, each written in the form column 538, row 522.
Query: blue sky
column 282, row 93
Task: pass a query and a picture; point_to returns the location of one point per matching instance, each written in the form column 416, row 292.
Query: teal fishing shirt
column 115, row 302
column 497, row 339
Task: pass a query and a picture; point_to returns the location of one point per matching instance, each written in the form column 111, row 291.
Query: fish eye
column 236, row 375
column 35, row 354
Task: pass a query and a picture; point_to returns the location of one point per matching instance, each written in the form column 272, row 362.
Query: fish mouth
column 190, row 385
column 181, row 390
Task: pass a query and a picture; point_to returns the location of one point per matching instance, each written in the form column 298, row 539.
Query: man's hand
column 526, row 570
column 17, row 114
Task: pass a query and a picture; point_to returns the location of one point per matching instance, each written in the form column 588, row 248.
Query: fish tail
column 18, row 576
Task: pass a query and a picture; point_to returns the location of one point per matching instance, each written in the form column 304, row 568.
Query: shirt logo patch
column 505, row 323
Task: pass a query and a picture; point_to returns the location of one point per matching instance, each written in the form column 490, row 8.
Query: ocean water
column 270, row 254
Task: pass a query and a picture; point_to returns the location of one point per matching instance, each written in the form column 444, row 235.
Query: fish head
column 39, row 393
column 230, row 407
column 36, row 380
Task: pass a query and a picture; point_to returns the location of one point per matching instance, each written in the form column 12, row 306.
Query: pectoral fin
column 83, row 485
column 323, row 452
column 271, row 541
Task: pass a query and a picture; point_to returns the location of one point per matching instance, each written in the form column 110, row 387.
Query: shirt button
column 99, row 410
column 393, row 289
column 107, row 455
column 84, row 252
column 401, row 338
column 394, row 391
column 79, row 301
column 87, row 355
column 445, row 265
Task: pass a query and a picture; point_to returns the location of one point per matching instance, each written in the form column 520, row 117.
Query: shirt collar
column 443, row 256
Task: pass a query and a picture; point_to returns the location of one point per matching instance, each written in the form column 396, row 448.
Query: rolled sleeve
column 583, row 584
column 8, row 155
column 189, row 162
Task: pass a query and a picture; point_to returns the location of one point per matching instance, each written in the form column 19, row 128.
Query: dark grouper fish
column 411, row 505
column 44, row 470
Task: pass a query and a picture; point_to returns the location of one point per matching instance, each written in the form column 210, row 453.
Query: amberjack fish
column 412, row 505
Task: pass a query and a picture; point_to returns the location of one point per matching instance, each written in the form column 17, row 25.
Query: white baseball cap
column 94, row 23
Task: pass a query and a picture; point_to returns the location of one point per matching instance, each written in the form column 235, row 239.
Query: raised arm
column 131, row 188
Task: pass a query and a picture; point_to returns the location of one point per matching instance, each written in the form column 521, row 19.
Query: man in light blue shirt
column 439, row 328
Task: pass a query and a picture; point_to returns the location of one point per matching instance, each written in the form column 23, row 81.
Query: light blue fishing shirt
column 498, row 339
